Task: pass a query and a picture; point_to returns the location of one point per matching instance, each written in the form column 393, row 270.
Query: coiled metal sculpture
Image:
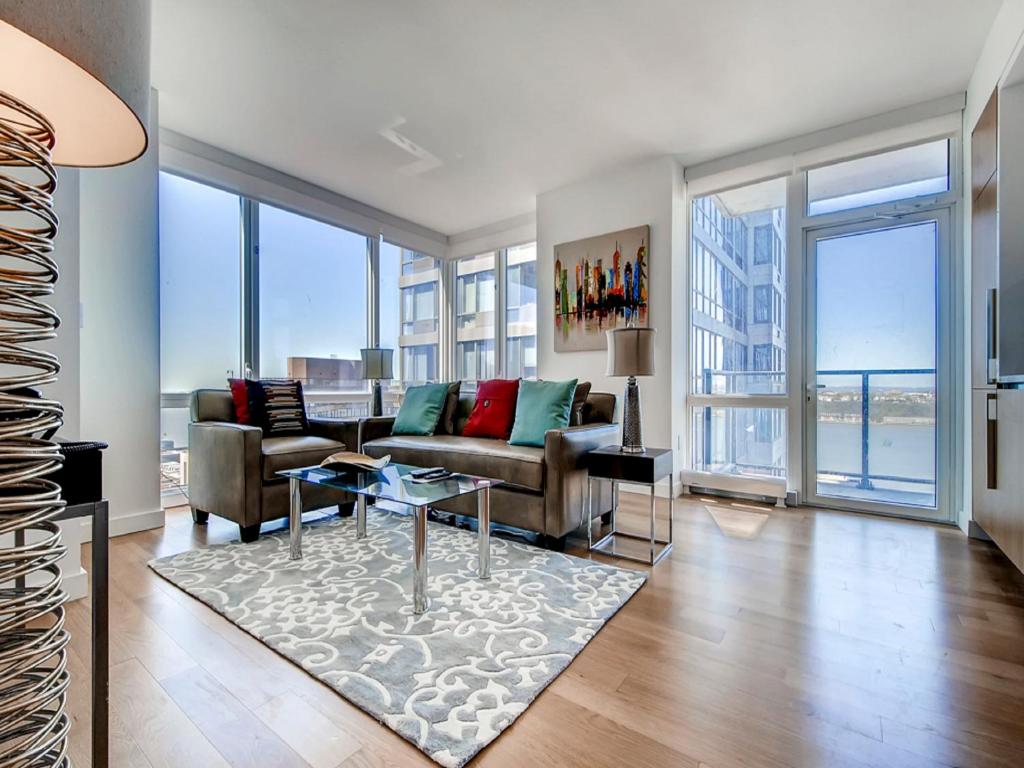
column 33, row 672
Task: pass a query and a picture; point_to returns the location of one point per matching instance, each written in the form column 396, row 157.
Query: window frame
column 444, row 303
column 789, row 278
column 500, row 310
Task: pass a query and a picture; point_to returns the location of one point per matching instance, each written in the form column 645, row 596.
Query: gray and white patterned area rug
column 450, row 680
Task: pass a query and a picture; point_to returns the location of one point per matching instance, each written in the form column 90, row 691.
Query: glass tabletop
column 392, row 483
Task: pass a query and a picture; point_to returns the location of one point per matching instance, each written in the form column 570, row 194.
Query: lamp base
column 377, row 408
column 632, row 432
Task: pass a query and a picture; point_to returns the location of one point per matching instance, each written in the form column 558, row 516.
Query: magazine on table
column 348, row 461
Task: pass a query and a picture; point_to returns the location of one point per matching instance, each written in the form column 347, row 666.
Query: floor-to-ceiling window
column 253, row 289
column 410, row 305
column 863, row 417
column 521, row 311
column 312, row 308
column 200, row 306
column 475, row 291
column 738, row 331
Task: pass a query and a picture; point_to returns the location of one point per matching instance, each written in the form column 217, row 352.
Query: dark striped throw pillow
column 277, row 407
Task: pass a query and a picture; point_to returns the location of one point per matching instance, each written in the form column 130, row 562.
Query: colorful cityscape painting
column 600, row 283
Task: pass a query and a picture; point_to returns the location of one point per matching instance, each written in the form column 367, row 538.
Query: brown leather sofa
column 544, row 488
column 232, row 466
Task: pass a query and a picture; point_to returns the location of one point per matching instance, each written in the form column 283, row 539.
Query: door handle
column 992, row 354
column 991, row 440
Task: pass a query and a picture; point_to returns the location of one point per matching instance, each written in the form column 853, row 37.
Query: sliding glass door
column 877, row 413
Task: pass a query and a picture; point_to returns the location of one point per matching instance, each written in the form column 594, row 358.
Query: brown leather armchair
column 232, row 466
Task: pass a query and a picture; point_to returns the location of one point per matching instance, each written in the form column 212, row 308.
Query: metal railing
column 866, row 478
column 719, row 382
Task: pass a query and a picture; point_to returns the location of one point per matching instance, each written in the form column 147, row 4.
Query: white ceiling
column 499, row 101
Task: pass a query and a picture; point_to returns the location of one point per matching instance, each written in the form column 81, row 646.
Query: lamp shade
column 84, row 65
column 631, row 352
column 377, row 363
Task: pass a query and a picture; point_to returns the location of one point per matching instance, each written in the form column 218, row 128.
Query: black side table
column 99, row 512
column 646, row 468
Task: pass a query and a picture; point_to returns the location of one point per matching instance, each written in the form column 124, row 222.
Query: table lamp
column 377, row 365
column 631, row 353
column 74, row 91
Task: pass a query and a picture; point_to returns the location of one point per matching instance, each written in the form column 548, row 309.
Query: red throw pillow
column 240, row 394
column 495, row 409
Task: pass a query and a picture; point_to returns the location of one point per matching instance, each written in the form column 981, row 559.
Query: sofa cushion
column 277, row 406
column 541, row 405
column 518, row 465
column 294, row 451
column 240, row 396
column 495, row 409
column 421, row 409
column 446, row 424
column 579, row 400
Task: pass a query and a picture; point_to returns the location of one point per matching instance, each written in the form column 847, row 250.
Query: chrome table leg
column 360, row 517
column 419, row 559
column 483, row 519
column 588, row 511
column 295, row 518
column 653, row 522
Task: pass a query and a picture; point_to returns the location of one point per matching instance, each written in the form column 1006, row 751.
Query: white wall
column 502, row 234
column 65, row 301
column 647, row 192
column 120, row 334
column 1003, row 41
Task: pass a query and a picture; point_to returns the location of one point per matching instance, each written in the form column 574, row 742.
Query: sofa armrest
column 565, row 474
column 340, row 430
column 225, row 473
column 374, row 428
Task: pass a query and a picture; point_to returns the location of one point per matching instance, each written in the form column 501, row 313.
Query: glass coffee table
column 393, row 483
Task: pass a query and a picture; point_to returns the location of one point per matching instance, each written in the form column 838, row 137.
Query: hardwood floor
column 811, row 639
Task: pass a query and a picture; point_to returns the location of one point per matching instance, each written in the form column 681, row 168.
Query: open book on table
column 347, row 461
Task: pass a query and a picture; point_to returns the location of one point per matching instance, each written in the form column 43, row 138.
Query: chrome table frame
column 606, row 544
column 420, row 601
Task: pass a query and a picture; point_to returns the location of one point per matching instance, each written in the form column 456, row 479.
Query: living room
column 560, row 384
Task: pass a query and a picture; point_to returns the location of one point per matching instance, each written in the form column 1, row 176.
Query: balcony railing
column 855, row 409
column 866, row 479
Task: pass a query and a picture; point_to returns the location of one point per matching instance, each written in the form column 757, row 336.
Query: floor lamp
column 74, row 91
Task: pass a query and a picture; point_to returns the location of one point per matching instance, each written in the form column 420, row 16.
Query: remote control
column 429, row 471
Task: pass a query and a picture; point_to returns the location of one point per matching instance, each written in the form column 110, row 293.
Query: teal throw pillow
column 541, row 405
column 421, row 409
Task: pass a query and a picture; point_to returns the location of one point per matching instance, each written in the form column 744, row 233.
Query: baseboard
column 745, row 486
column 975, row 531
column 122, row 525
column 661, row 489
column 173, row 499
column 76, row 585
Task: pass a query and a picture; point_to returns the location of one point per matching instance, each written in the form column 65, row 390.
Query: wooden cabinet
column 999, row 509
column 985, row 500
column 984, row 146
column 997, row 240
column 983, row 281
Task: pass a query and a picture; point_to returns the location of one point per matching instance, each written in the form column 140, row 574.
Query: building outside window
column 474, row 317
column 410, row 295
column 521, row 312
column 737, row 254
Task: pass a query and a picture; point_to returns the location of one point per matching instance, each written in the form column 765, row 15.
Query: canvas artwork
column 600, row 283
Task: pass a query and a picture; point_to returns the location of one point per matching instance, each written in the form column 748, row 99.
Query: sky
column 307, row 270
column 876, row 294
